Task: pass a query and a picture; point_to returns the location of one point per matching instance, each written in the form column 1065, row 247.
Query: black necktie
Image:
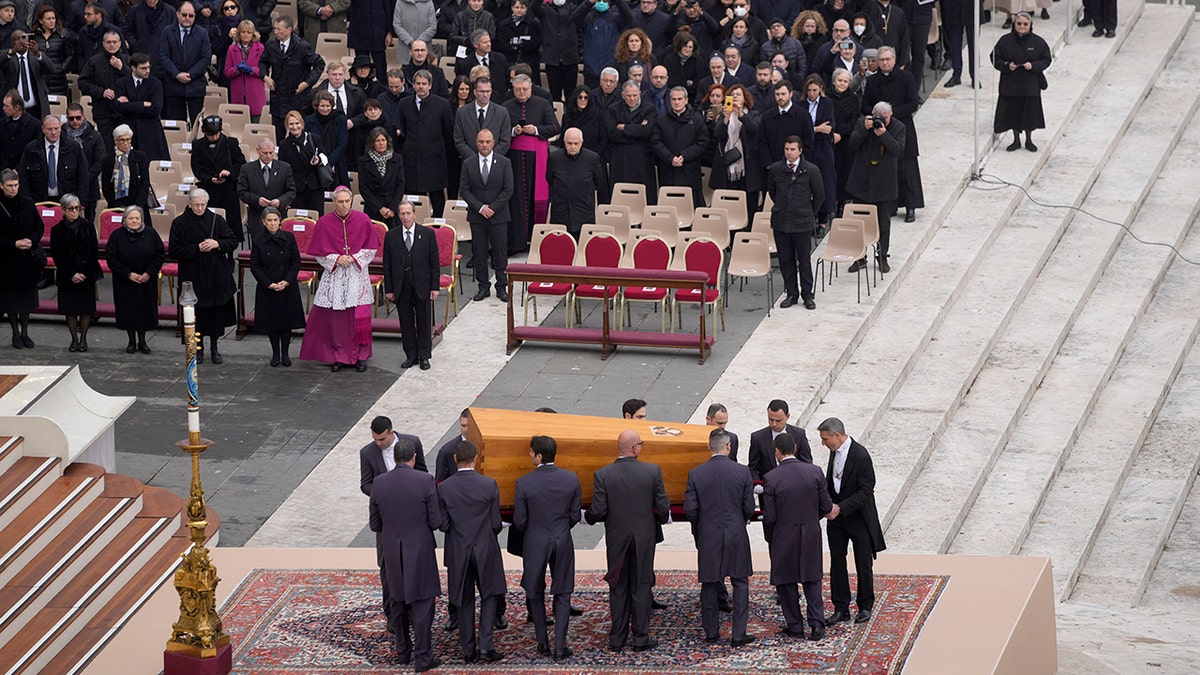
column 24, row 79
column 408, row 239
column 481, row 124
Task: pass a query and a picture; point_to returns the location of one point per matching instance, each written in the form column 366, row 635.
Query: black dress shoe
column 838, row 616
column 616, row 649
column 809, row 303
column 491, row 656
column 1014, row 146
column 1110, row 33
column 543, row 649
column 910, row 216
column 451, row 624
column 471, row 658
column 863, row 616
column 408, row 363
column 286, row 361
column 1007, row 24
column 575, row 611
column 788, row 632
column 425, row 364
column 742, row 642
column 335, row 367
column 500, row 623
column 1030, row 146
column 857, row 265
column 28, row 343
column 1045, row 13
column 787, row 302
column 83, row 347
column 650, row 644
column 954, row 81
column 275, row 364
column 712, row 640
column 655, row 604
column 73, row 348
column 433, row 663
column 360, row 366
column 884, row 267
column 481, row 295
column 818, row 633
column 561, row 654
column 131, row 348
column 502, row 295
column 725, row 607
column 145, row 349
column 1084, row 22
column 1099, row 32
column 216, row 357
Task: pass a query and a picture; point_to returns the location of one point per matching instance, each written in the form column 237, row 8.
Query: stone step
column 10, row 451
column 1173, row 580
column 21, row 484
column 1083, row 491
column 940, row 249
column 1063, row 393
column 1135, row 532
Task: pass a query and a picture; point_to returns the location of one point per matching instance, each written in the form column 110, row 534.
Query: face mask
column 860, row 29
column 739, row 11
column 602, row 6
column 559, row 3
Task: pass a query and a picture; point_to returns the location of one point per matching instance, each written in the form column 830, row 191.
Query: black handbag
column 732, row 156
column 325, row 177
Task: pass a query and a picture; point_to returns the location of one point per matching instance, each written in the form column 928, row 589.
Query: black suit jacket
column 470, row 504
column 856, row 499
column 494, row 193
column 547, row 507
column 718, row 502
column 762, row 450
column 299, row 64
column 72, row 170
column 356, row 98
column 497, row 64
column 250, row 187
column 39, row 70
column 139, row 179
column 405, row 512
column 629, row 498
column 418, row 269
column 445, row 465
column 15, row 134
column 371, row 466
column 191, row 56
column 427, row 136
column 145, row 120
column 466, row 128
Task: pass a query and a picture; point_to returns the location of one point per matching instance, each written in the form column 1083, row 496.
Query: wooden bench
column 606, row 337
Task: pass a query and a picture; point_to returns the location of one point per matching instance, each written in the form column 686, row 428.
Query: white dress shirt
column 839, row 463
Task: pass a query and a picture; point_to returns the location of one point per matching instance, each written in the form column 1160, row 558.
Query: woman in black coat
column 216, row 162
column 301, row 149
column 330, row 126
column 747, row 171
column 77, row 269
column 275, row 262
column 135, row 254
column 381, row 177
column 21, row 257
column 136, row 174
column 845, row 115
column 585, row 116
column 822, row 117
column 683, row 63
column 57, row 45
column 203, row 244
column 1021, row 57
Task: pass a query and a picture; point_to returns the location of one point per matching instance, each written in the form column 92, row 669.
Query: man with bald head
column 486, row 186
column 420, row 59
column 629, row 498
column 577, row 177
column 829, row 52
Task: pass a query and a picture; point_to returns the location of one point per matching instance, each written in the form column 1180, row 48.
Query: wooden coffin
column 584, row 445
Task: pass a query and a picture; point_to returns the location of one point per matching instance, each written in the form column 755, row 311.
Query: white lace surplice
column 345, row 287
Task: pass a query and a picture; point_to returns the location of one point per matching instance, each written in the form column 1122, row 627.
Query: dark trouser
column 562, row 80
column 379, row 58
column 955, row 29
column 840, row 534
column 536, row 604
column 590, row 81
column 437, row 202
column 492, row 236
column 795, row 251
column 918, row 35
column 415, row 329
column 1106, row 15
column 416, row 617
column 629, row 605
column 710, row 617
column 280, row 128
column 183, row 108
column 314, row 200
column 789, row 598
column 466, row 616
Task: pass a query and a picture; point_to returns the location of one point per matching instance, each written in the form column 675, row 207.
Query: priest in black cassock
column 629, row 123
column 534, row 123
column 202, row 243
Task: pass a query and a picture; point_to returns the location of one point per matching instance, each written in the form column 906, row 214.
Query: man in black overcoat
column 98, row 79
column 783, row 119
column 290, row 69
column 411, row 279
column 850, row 481
column 794, row 501
column 17, row 131
column 547, row 507
column 427, row 124
column 71, row 167
column 679, row 140
column 94, row 146
column 183, row 54
column 629, row 124
column 404, row 513
column 629, row 498
column 470, row 504
column 577, row 178
column 875, row 157
column 898, row 88
column 139, row 103
column 718, row 502
column 797, row 193
column 444, row 467
column 203, row 244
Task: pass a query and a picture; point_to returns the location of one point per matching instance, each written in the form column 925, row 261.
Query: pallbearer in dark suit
column 405, row 512
column 374, row 460
column 718, row 502
column 762, row 446
column 275, row 263
column 547, row 507
column 470, row 504
column 486, row 186
column 411, row 277
column 629, row 498
column 794, row 501
column 850, row 480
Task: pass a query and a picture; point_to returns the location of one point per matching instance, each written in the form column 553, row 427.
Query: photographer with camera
column 877, row 145
column 897, row 87
column 25, row 71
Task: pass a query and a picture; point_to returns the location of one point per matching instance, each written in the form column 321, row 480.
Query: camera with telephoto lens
column 878, row 122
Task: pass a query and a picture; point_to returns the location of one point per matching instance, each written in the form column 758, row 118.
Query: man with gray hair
column 267, row 182
column 897, row 87
column 679, row 140
column 534, row 123
column 716, row 75
column 630, row 124
column 483, row 55
column 877, row 144
column 50, row 168
column 203, row 244
column 606, row 93
column 577, row 177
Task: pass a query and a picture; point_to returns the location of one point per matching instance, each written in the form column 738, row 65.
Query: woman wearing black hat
column 216, row 161
column 362, row 74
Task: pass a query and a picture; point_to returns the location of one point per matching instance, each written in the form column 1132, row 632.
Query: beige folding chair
column 236, row 116
column 767, row 202
column 705, row 184
column 57, row 104
column 843, row 244
column 715, row 222
column 311, row 214
column 446, row 63
column 212, row 102
column 332, row 46
column 762, row 225
column 751, row 258
column 253, row 133
column 869, row 216
column 617, row 217
column 175, row 131
column 734, row 202
column 665, row 219
column 632, row 195
column 181, row 150
column 422, row 206
column 681, row 199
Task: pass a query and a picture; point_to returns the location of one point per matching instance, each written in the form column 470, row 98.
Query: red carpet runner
column 304, row 622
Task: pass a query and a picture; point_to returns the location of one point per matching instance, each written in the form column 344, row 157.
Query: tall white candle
column 189, row 314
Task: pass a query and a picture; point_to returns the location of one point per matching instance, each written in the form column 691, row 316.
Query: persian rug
column 327, row 621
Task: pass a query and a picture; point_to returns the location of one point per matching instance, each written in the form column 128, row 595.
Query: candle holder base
column 187, row 663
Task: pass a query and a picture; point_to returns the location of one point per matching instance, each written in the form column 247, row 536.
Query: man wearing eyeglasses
column 184, row 52
column 145, row 23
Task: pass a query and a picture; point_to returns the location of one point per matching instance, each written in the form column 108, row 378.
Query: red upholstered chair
column 703, row 255
column 447, row 241
column 650, row 253
column 109, row 222
column 381, row 231
column 302, row 230
column 602, row 250
column 557, row 248
column 51, row 214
